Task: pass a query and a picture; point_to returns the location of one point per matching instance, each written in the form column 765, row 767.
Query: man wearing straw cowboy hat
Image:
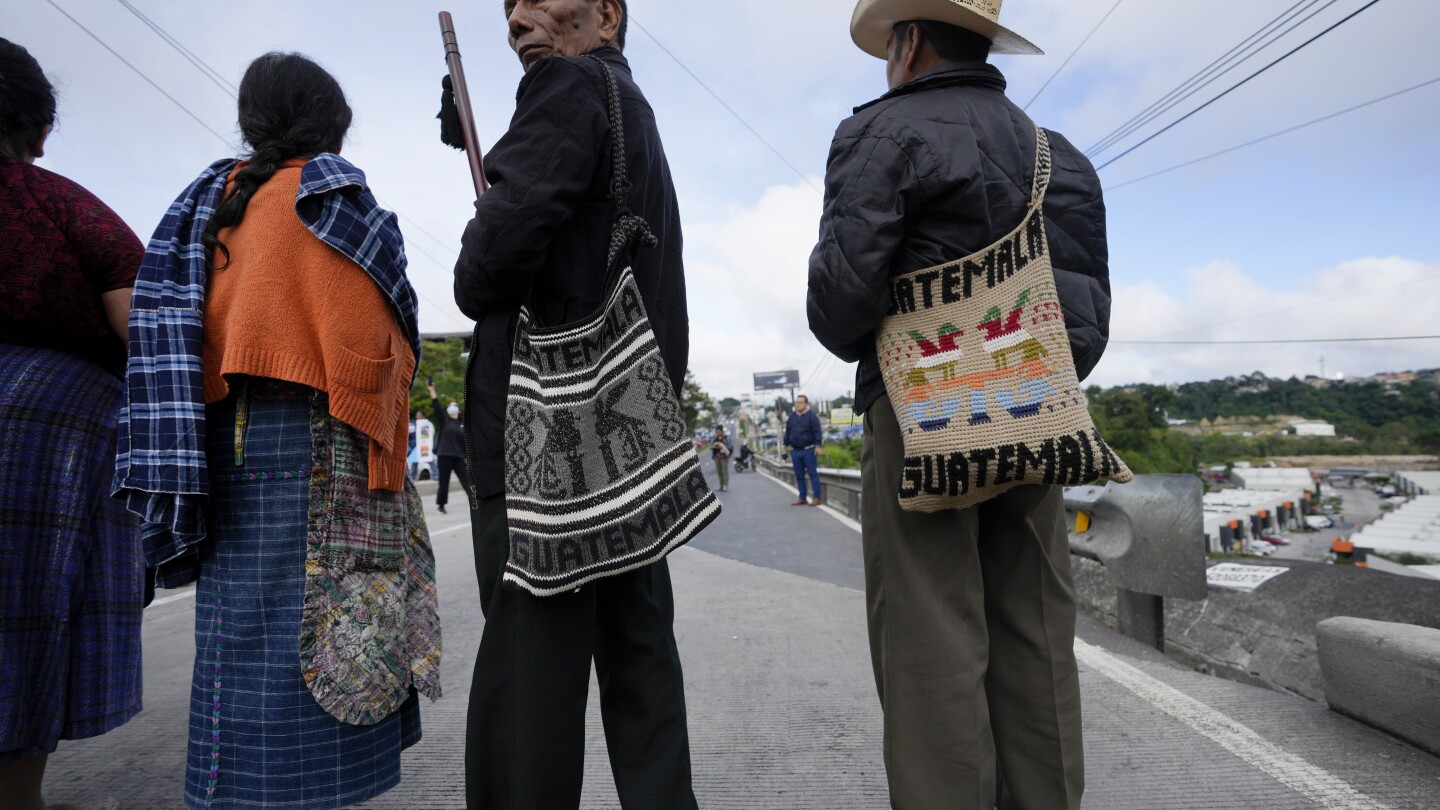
column 971, row 611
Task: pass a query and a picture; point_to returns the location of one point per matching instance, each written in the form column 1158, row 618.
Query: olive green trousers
column 972, row 636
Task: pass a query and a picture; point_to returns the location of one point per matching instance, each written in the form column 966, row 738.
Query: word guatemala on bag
column 580, row 352
column 1064, row 461
column 601, row 474
column 956, row 281
column 977, row 365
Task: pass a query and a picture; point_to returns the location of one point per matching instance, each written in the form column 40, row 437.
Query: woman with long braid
column 274, row 323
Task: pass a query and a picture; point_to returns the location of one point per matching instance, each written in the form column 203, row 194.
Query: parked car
column 1261, row 549
column 1275, row 539
column 1319, row 522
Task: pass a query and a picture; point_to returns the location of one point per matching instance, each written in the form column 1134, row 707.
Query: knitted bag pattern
column 371, row 625
column 601, row 476
column 978, row 367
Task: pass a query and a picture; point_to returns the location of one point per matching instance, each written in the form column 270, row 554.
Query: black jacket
column 540, row 234
column 449, row 435
column 937, row 169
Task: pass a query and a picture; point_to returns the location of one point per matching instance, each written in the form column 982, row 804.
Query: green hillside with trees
column 1370, row 418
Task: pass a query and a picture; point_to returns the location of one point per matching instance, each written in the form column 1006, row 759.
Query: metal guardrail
column 839, row 489
column 1149, row 534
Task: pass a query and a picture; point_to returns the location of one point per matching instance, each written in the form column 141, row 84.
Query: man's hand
column 430, row 386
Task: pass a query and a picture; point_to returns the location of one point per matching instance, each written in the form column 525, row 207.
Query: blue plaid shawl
column 161, row 468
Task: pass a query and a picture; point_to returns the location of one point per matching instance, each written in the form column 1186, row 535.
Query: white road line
column 835, row 513
column 464, row 525
column 188, row 594
column 1318, row 785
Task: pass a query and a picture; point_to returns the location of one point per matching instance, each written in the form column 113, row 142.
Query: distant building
column 1418, row 483
column 1274, row 478
column 1312, row 427
column 1412, row 529
column 1235, row 519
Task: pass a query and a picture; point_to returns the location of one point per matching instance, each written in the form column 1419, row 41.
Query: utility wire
column 1267, row 342
column 728, row 108
column 1274, row 135
column 1306, row 305
column 141, row 74
column 1066, row 63
column 210, row 73
column 207, row 127
column 219, row 80
column 1302, row 46
column 234, row 92
column 1231, row 59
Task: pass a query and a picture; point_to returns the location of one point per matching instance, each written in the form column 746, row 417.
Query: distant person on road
column 971, row 612
column 720, row 451
column 535, row 241
column 72, row 579
column 803, row 436
column 449, row 448
column 316, row 624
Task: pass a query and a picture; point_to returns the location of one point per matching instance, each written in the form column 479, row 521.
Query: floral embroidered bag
column 977, row 364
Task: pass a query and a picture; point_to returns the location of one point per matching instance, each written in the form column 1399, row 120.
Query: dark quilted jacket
column 934, row 170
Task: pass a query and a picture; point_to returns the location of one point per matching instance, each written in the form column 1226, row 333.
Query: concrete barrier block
column 1384, row 674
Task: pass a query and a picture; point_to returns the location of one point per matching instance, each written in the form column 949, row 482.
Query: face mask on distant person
column 454, row 411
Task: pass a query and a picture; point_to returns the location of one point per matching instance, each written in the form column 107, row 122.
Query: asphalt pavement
column 770, row 619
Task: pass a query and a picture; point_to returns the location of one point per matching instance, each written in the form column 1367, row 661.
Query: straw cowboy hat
column 874, row 19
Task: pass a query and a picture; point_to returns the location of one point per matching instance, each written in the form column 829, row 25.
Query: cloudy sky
column 1326, row 232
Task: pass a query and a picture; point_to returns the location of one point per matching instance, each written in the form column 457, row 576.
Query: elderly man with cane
column 538, row 239
column 971, row 610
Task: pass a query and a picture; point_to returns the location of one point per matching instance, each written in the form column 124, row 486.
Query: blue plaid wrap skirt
column 257, row 736
column 72, row 578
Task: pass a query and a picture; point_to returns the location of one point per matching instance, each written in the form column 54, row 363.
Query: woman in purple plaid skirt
column 72, row 584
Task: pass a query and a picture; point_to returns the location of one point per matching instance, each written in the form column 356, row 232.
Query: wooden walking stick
column 461, row 91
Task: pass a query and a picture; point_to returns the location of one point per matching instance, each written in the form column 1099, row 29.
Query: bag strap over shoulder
column 629, row 229
column 1043, row 167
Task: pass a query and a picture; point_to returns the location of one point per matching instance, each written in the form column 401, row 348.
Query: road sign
column 1242, row 577
column 776, row 380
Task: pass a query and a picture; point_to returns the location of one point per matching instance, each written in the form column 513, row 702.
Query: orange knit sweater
column 290, row 307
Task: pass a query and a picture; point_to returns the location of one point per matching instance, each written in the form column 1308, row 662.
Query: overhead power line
column 728, row 108
column 142, row 75
column 1213, row 72
column 1268, row 342
column 212, row 74
column 1306, row 305
column 226, row 86
column 207, row 127
column 1298, row 48
column 1274, row 135
column 1066, row 63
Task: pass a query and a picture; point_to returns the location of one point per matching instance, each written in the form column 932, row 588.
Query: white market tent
column 1413, row 528
column 1418, row 483
column 1284, row 478
column 1220, row 508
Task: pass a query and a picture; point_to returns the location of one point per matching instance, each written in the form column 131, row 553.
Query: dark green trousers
column 972, row 636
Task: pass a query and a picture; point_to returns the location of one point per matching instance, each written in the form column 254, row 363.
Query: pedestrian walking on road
column 720, row 451
column 536, row 240
column 971, row 611
column 803, row 436
column 284, row 429
column 72, row 580
column 449, row 448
